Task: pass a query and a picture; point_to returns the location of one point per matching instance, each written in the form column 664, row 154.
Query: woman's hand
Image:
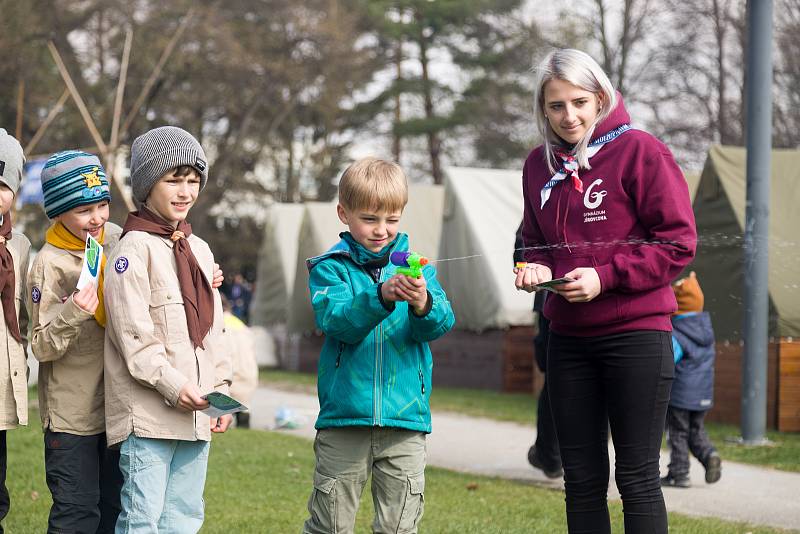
column 585, row 287
column 530, row 275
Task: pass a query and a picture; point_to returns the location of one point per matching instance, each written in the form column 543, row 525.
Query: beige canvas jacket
column 149, row 356
column 67, row 341
column 13, row 355
column 241, row 343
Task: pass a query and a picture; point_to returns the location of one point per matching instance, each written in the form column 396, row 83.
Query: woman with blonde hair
column 607, row 209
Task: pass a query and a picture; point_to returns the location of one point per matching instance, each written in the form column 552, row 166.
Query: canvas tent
column 483, row 208
column 719, row 208
column 320, row 230
column 693, row 181
column 276, row 264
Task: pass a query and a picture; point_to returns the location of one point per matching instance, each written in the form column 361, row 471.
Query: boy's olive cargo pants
column 345, row 458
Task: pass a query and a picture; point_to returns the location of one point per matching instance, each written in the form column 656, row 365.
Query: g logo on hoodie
column 592, row 200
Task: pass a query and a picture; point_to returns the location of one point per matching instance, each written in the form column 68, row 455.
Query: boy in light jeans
column 164, row 343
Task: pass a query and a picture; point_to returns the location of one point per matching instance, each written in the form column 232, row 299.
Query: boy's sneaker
column 535, row 461
column 713, row 467
column 676, row 482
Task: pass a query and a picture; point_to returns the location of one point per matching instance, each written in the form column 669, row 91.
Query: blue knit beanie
column 73, row 178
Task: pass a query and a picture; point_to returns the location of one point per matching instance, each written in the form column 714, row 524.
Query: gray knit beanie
column 12, row 161
column 159, row 150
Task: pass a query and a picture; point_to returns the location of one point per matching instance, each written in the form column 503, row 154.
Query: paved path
column 482, row 446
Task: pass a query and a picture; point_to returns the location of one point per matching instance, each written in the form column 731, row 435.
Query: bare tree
column 695, row 82
column 787, row 75
column 623, row 31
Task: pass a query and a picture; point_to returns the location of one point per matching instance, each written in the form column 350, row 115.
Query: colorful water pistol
column 408, row 263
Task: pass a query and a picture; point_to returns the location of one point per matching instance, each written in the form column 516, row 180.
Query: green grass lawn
column 259, row 482
column 783, row 454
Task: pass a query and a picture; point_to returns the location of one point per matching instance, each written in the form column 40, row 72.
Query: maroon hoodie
column 633, row 223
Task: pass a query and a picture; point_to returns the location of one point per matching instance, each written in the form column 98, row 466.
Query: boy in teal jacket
column 374, row 379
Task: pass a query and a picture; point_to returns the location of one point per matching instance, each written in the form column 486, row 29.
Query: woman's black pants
column 625, row 380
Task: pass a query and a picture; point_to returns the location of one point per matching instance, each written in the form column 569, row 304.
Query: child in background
column 14, row 254
column 68, row 331
column 374, row 380
column 164, row 341
column 239, row 339
column 693, row 388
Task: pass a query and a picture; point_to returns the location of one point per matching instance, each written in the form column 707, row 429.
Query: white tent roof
column 320, row 228
column 276, row 264
column 483, row 208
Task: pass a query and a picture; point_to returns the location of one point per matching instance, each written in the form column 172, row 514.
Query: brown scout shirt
column 14, row 360
column 67, row 341
column 148, row 353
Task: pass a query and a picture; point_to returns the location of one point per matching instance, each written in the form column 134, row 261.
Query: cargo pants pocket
column 414, row 505
column 322, row 504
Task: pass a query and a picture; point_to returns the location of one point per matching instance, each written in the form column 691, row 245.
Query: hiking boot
column 535, row 461
column 676, row 482
column 713, row 467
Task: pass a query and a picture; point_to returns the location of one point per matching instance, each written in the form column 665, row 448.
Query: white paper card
column 92, row 259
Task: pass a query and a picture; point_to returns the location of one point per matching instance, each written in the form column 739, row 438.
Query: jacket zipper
column 379, row 368
column 339, row 356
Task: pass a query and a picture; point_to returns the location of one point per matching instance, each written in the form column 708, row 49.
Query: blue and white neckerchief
column 570, row 164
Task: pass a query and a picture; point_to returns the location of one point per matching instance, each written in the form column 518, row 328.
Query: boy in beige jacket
column 164, row 344
column 68, row 333
column 14, row 253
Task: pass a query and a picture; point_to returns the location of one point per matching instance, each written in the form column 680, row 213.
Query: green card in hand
column 548, row 286
column 221, row 404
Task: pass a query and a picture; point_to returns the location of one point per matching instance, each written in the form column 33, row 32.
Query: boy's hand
column 190, row 398
column 217, row 277
column 389, row 289
column 86, row 299
column 585, row 287
column 221, row 424
column 530, row 275
column 414, row 291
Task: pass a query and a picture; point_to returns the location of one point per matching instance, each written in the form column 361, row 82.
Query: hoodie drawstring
column 566, row 215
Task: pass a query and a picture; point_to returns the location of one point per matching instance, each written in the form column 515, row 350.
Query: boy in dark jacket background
column 693, row 388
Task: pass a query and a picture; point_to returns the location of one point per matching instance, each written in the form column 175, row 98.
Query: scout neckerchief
column 198, row 300
column 7, row 281
column 58, row 236
column 570, row 164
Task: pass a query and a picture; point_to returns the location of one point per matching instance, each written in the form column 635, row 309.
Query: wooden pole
column 111, row 158
column 50, row 117
column 20, row 107
column 148, row 86
column 87, row 118
column 123, row 75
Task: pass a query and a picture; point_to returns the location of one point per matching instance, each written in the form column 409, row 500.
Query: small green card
column 221, row 404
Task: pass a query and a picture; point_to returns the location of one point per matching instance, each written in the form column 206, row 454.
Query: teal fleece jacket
column 375, row 366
